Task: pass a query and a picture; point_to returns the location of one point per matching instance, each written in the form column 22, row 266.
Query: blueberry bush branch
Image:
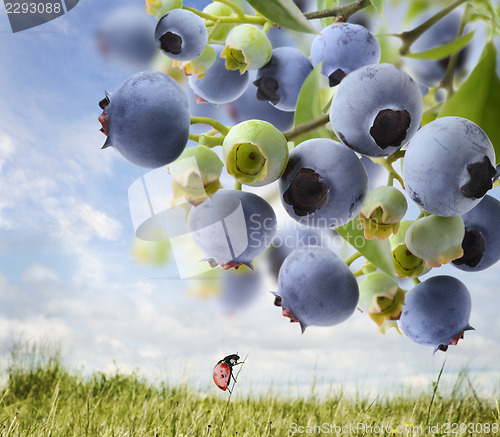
column 448, row 79
column 306, row 128
column 410, row 36
column 341, row 12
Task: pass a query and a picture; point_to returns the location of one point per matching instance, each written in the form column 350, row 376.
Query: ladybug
column 223, row 371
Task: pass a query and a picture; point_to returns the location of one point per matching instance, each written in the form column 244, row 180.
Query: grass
column 42, row 397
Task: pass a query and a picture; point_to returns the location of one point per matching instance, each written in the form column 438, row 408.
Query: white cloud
column 38, row 273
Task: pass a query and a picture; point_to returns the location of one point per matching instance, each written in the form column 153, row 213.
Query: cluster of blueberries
column 376, row 112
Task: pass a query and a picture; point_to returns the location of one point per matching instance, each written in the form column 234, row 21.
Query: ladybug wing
column 221, row 375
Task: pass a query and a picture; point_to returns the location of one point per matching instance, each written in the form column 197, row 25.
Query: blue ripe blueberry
column 232, row 227
column 436, row 312
column 289, row 238
column 248, row 107
column 324, row 184
column 315, row 287
column 126, row 37
column 448, row 166
column 280, row 80
column 181, row 35
column 431, row 71
column 219, row 85
column 376, row 109
column 481, row 243
column 344, row 47
column 147, row 119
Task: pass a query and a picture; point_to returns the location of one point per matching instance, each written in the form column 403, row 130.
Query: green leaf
column 445, row 50
column 379, row 6
column 486, row 10
column 283, row 12
column 478, row 98
column 378, row 252
column 309, row 105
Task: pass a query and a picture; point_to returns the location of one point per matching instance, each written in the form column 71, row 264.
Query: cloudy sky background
column 67, row 274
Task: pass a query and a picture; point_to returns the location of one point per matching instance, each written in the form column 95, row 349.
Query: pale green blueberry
column 159, row 8
column 151, row 252
column 382, row 211
column 437, row 240
column 381, row 297
column 406, row 264
column 198, row 66
column 247, row 47
column 218, row 9
column 196, row 174
column 255, row 152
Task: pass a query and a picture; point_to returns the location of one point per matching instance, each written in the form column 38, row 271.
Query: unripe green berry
column 198, row 66
column 388, row 324
column 437, row 240
column 196, row 174
column 255, row 152
column 382, row 211
column 247, row 47
column 218, row 9
column 158, row 8
column 406, row 264
column 151, row 252
column 381, row 297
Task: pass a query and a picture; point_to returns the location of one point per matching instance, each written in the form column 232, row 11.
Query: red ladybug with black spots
column 223, row 371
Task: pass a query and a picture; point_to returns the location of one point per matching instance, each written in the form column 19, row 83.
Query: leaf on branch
column 445, row 50
column 486, row 10
column 309, row 105
column 478, row 98
column 284, row 13
column 378, row 252
column 379, row 6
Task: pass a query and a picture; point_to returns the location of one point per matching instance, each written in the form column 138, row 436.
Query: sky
column 68, row 275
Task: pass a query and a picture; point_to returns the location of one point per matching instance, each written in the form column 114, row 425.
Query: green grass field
column 42, row 397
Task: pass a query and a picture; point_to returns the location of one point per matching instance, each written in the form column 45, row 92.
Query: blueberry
column 481, row 243
column 289, row 238
column 232, row 227
column 247, row 47
column 437, row 240
column 181, row 35
column 147, row 119
column 448, row 166
column 158, row 8
column 248, row 107
column 382, row 211
column 316, row 288
column 376, row 109
column 436, row 312
column 381, row 297
column 219, row 85
column 219, row 10
column 196, row 174
column 255, row 152
column 344, row 47
column 324, row 184
column 280, row 80
column 126, row 37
